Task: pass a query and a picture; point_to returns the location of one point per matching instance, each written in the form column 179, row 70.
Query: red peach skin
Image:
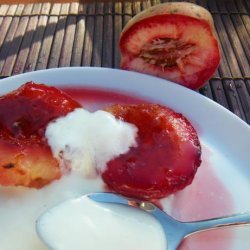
column 175, row 41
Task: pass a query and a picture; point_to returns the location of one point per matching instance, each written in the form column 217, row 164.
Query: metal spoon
column 175, row 230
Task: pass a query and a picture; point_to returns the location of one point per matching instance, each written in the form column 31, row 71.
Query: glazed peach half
column 25, row 157
column 175, row 41
column 166, row 158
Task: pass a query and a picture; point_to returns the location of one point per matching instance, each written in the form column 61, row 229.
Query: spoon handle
column 226, row 221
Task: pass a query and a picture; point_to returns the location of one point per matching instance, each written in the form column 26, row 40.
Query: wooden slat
column 37, row 9
column 45, row 9
column 12, row 10
column 246, row 21
column 16, row 43
column 247, row 4
column 73, row 10
column 247, row 82
column 241, row 6
column 47, row 41
column 82, row 8
column 229, row 5
column 58, row 38
column 212, row 6
column 4, row 29
column 36, row 44
column 3, row 9
column 107, row 52
column 68, row 42
column 154, row 2
column 25, row 47
column 55, row 10
column 218, row 92
column 89, row 34
column 233, row 98
column 19, row 10
column 226, row 51
column 79, row 39
column 98, row 37
column 243, row 37
column 127, row 10
column 244, row 97
column 8, row 42
column 136, row 7
column 117, row 32
column 235, row 41
column 206, row 91
column 238, row 50
column 229, row 60
column 222, row 6
column 65, row 9
column 146, row 4
column 240, row 30
column 1, row 20
column 79, row 36
column 202, row 3
column 27, row 10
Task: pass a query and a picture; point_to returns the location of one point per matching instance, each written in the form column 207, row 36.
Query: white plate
column 222, row 184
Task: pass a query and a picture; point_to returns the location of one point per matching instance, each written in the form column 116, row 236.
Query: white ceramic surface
column 225, row 138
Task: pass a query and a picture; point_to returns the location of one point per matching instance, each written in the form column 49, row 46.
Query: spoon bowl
column 175, row 231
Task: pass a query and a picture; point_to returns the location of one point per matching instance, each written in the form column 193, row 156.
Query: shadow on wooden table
column 49, row 36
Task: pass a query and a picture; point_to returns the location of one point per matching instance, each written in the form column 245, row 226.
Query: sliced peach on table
column 175, row 41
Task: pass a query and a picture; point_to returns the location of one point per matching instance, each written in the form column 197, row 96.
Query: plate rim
column 171, row 84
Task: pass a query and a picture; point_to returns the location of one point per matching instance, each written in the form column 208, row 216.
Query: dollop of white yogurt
column 87, row 141
column 84, row 224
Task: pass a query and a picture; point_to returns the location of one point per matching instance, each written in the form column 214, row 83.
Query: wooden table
column 36, row 36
